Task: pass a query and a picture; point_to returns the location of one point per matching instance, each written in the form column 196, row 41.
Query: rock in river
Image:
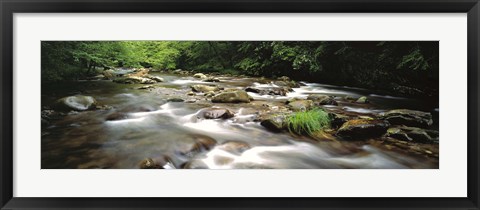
column 282, row 91
column 236, row 147
column 134, row 80
column 148, row 163
column 362, row 100
column 215, row 113
column 413, row 134
column 200, row 143
column 274, row 123
column 361, row 129
column 408, row 117
column 200, row 76
column 76, row 103
column 204, row 88
column 337, row 120
column 235, row 96
column 320, row 99
column 154, row 78
column 300, row 105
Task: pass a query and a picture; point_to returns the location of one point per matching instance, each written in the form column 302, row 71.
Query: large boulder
column 76, row 103
column 362, row 129
column 275, row 123
column 204, row 88
column 235, row 96
column 408, row 117
column 215, row 113
column 300, row 105
column 200, row 76
column 413, row 134
column 320, row 99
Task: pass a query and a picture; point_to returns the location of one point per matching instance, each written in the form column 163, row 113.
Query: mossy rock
column 408, row 117
column 300, row 105
column 362, row 129
column 412, row 134
column 337, row 120
column 275, row 123
column 234, row 96
column 363, row 100
column 204, row 88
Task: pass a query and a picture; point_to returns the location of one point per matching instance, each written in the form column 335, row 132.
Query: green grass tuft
column 308, row 122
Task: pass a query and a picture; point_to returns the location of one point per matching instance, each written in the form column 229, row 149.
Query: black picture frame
column 9, row 7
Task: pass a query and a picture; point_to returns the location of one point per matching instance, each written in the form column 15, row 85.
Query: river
column 144, row 123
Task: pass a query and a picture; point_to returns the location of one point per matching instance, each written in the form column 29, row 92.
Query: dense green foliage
column 402, row 68
column 308, row 122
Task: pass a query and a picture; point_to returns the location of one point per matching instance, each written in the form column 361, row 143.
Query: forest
column 240, row 104
column 407, row 68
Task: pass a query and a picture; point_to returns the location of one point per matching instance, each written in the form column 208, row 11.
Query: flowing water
column 144, row 124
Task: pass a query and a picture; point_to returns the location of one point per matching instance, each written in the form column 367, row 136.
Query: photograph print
column 239, row 104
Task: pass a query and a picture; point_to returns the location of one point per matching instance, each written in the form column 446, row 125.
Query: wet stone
column 76, row 103
column 407, row 117
column 148, row 163
column 215, row 113
column 204, row 88
column 362, row 100
column 320, row 99
column 237, row 96
column 236, row 147
column 300, row 105
column 362, row 129
column 275, row 123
